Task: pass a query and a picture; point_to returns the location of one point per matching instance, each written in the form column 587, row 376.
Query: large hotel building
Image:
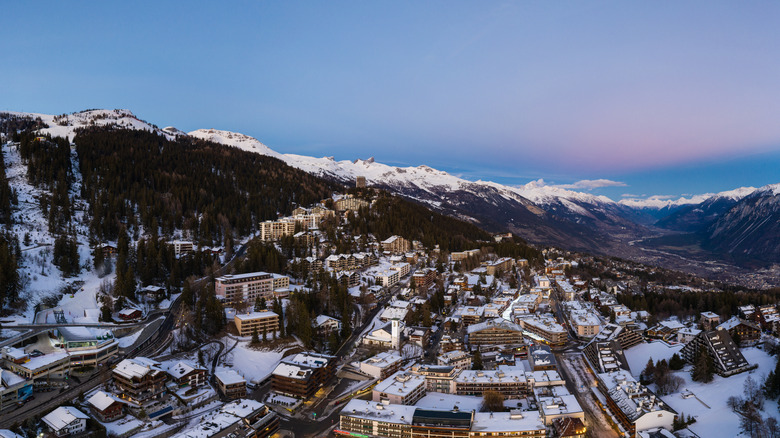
column 249, row 287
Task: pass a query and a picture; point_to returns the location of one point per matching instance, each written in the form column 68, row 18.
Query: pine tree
column 648, row 374
column 255, row 337
column 477, row 365
column 676, row 362
column 703, row 368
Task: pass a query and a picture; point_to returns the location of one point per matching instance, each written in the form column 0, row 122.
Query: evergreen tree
column 772, row 383
column 648, row 374
column 255, row 337
column 477, row 365
column 676, row 362
column 703, row 368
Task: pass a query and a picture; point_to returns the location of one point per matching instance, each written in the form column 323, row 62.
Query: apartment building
column 709, row 320
column 250, row 286
column 458, row 359
column 139, row 379
column 402, row 388
column 350, row 203
column 382, row 365
column 230, row 384
column 396, row 245
column 718, row 344
column 181, row 247
column 497, row 331
column 546, row 329
column 301, row 375
column 634, row 406
column 275, row 230
column 463, row 255
column 510, row 383
column 388, row 278
column 263, row 321
column 503, row 264
column 424, row 278
column 365, row 418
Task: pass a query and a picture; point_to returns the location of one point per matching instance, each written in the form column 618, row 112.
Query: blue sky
column 666, row 98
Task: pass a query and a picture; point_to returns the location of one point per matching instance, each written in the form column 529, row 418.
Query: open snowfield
column 254, row 365
column 637, row 356
column 718, row 420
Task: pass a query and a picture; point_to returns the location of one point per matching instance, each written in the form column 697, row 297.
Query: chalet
column 745, row 332
column 326, row 324
column 139, row 379
column 128, row 314
column 185, row 373
column 106, row 407
column 768, row 317
column 66, row 421
column 665, row 330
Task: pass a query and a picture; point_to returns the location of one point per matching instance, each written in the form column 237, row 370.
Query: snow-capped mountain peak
column 659, row 202
column 235, row 139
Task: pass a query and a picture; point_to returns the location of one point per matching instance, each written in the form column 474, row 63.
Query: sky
column 614, row 98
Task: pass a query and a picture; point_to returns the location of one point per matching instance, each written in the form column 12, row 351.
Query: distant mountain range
column 739, row 227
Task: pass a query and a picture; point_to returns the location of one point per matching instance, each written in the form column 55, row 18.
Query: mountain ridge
column 541, row 213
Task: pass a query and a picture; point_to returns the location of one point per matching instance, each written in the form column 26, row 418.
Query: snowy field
column 254, row 365
column 637, row 356
column 715, row 419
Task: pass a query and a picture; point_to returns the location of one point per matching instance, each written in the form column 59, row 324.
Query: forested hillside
column 209, row 190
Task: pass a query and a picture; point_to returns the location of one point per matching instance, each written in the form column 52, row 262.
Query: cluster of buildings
column 46, row 359
column 143, row 387
column 303, row 219
column 534, row 392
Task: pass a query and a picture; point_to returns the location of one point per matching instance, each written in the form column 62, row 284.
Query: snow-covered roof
column 136, row 367
column 401, row 383
column 392, row 413
column 494, row 323
column 735, row 321
column 63, row 416
column 182, row 368
column 255, row 315
column 102, row 400
column 212, row 423
column 8, row 378
column 229, row 377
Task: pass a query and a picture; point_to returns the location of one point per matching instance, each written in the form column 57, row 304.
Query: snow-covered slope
column 65, row 125
column 234, row 139
column 422, row 178
column 537, row 211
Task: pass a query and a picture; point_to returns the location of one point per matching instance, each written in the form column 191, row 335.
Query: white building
column 66, row 420
column 382, row 365
column 402, row 388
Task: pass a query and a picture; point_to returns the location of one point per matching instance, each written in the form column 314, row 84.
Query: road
column 596, row 422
